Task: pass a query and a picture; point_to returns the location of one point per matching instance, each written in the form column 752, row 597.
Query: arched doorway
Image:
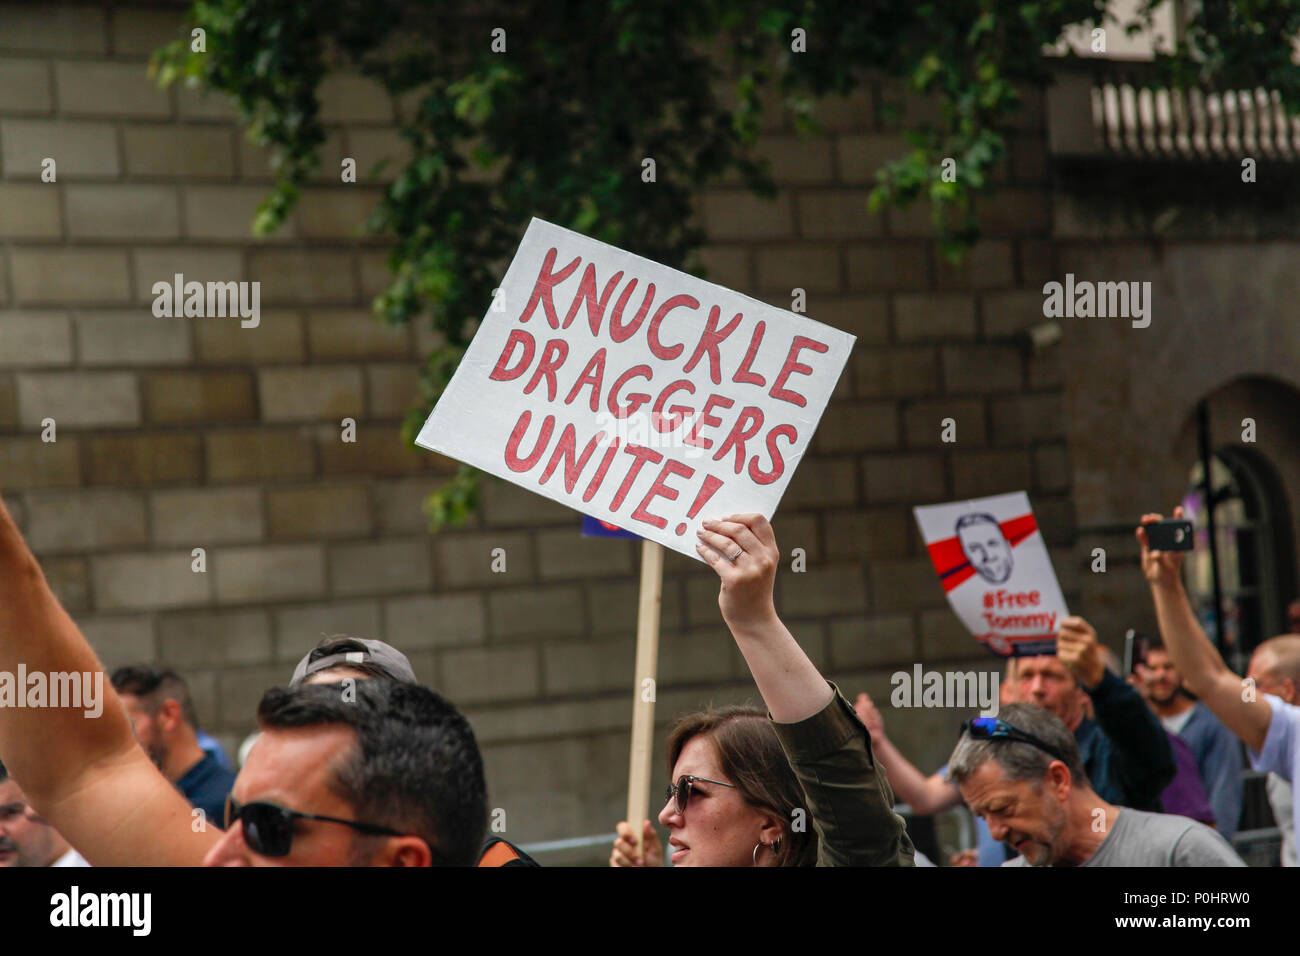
column 1253, row 553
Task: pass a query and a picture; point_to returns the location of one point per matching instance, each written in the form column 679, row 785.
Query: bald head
column 1275, row 666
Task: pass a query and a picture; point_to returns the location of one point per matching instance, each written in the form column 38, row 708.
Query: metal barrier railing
column 606, row 840
column 573, row 843
column 965, row 837
column 1243, row 841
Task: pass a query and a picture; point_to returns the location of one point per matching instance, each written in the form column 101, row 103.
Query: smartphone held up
column 1171, row 534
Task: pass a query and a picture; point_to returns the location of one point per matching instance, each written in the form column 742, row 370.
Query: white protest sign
column 635, row 393
column 995, row 569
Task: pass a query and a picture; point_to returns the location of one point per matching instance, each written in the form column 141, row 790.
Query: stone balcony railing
column 1121, row 110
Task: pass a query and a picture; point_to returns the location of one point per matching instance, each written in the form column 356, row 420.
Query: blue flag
column 594, row 528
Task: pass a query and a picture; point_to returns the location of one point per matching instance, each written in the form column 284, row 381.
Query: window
column 1253, row 552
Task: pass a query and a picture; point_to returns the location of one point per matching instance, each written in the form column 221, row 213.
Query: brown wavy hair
column 750, row 756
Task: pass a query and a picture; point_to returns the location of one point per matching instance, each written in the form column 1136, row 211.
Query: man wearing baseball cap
column 342, row 657
column 391, row 775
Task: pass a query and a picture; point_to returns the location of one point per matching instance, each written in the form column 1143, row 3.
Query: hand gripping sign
column 995, row 569
column 638, row 395
column 635, row 393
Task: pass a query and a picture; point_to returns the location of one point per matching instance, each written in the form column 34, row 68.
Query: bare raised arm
column 847, row 794
column 791, row 686
column 85, row 774
column 1203, row 669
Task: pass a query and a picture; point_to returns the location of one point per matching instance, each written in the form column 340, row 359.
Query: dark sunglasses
column 268, row 829
column 681, row 790
column 991, row 728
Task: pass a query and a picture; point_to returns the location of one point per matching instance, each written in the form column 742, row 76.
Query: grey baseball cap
column 383, row 655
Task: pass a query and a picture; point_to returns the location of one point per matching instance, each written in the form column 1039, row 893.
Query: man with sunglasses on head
column 387, row 774
column 1023, row 773
column 1124, row 750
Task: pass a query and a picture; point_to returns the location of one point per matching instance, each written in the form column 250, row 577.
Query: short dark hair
column 153, row 685
column 416, row 766
column 977, row 517
column 1020, row 761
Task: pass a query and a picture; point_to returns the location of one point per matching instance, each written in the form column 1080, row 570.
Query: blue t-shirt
column 213, row 746
column 1281, row 750
column 205, row 785
column 1218, row 761
column 1125, row 751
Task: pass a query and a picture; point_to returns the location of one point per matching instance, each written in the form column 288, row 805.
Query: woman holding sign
column 730, row 800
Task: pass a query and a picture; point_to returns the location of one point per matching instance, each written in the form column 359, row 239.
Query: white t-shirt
column 1281, row 751
column 71, row 858
column 1279, row 798
column 1175, row 725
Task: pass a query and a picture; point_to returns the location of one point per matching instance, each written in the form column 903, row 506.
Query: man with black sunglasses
column 407, row 791
column 1023, row 773
column 341, row 657
column 387, row 774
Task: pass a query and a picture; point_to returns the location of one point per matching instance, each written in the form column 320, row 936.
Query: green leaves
column 560, row 126
column 454, row 502
column 587, row 215
column 773, row 22
column 275, row 208
column 926, row 71
column 472, row 101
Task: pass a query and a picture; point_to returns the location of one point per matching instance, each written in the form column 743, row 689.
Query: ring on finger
column 732, row 557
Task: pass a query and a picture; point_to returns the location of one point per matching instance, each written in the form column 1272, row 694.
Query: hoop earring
column 775, row 847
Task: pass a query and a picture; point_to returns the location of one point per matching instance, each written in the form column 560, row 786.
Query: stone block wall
column 180, row 433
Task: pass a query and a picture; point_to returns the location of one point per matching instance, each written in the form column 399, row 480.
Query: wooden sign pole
column 643, row 707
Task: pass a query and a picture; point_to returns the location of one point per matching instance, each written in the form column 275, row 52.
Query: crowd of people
column 356, row 763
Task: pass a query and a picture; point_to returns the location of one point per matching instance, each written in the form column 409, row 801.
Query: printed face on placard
column 985, row 547
column 996, row 572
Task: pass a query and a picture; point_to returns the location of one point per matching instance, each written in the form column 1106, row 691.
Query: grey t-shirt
column 1139, row 838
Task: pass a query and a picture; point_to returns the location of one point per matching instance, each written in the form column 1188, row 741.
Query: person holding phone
column 1260, row 708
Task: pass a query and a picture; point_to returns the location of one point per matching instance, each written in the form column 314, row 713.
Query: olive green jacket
column 848, row 796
